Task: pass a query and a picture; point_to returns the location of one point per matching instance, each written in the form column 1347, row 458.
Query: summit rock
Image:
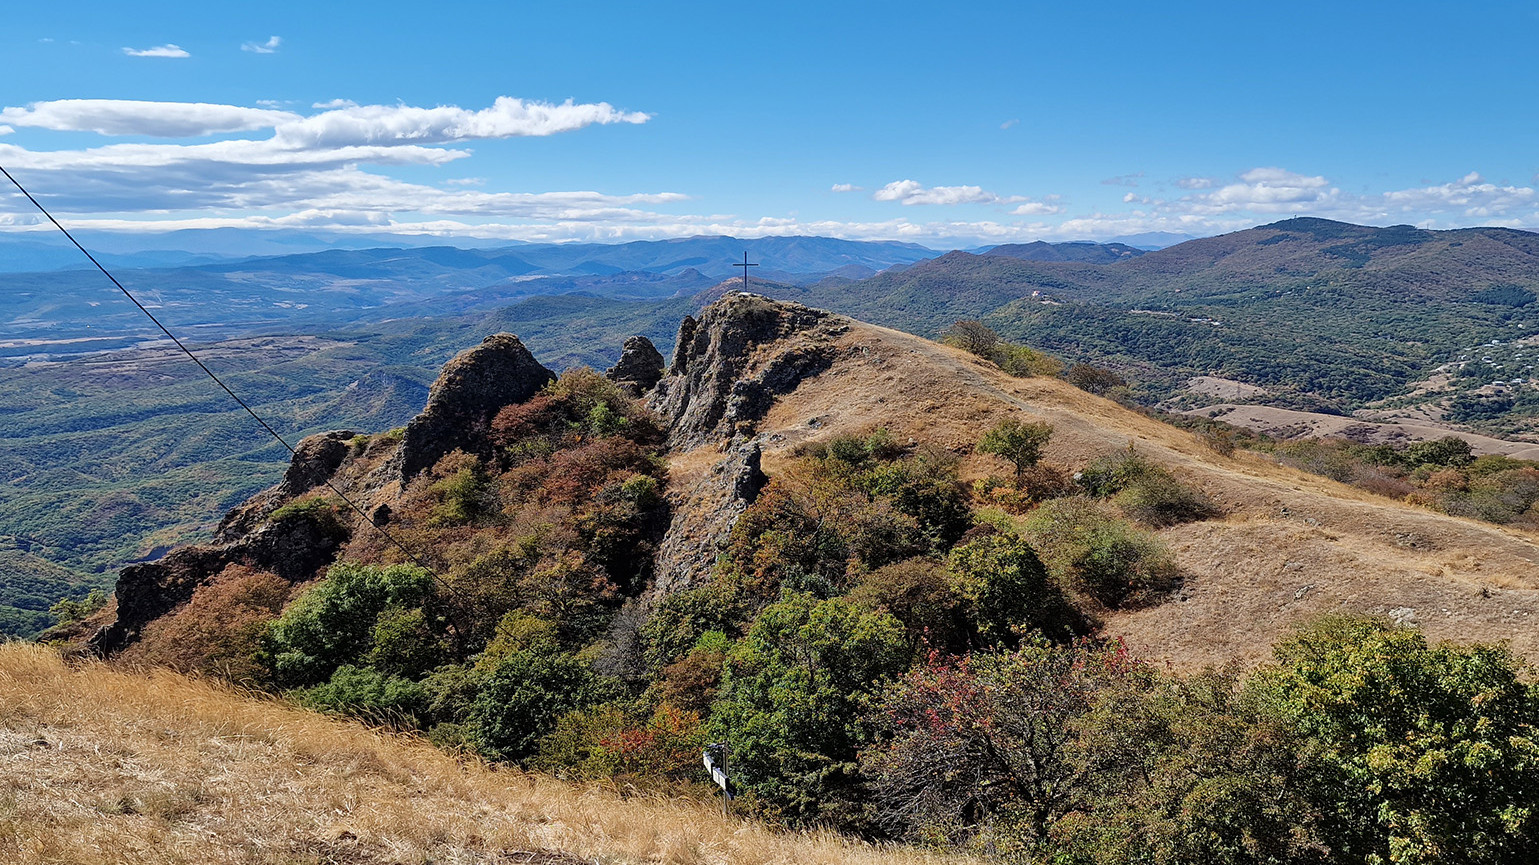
column 469, row 392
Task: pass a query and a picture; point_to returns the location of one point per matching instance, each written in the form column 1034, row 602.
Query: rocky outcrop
column 703, row 516
column 729, row 366
column 296, row 543
column 316, row 459
column 295, row 546
column 469, row 392
column 639, row 368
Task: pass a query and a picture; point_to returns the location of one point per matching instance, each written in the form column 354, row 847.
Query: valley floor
column 102, row 765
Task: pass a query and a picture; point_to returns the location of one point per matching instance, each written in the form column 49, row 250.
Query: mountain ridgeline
column 1323, row 315
column 1399, row 324
column 766, row 540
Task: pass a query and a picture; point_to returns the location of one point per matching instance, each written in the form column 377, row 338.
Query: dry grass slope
column 99, row 765
column 1292, row 546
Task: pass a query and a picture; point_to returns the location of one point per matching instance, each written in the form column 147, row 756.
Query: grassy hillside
column 1322, row 314
column 106, row 766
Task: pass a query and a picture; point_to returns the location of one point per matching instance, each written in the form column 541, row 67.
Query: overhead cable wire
column 217, row 380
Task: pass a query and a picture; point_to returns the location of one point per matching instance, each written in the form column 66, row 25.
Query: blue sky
column 945, row 124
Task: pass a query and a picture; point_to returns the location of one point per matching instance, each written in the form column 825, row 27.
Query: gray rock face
column 730, row 365
column 316, row 459
column 469, row 392
column 704, row 515
column 639, row 368
column 727, row 370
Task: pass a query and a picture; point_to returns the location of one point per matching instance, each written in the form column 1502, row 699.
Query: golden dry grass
column 101, row 765
column 1293, row 545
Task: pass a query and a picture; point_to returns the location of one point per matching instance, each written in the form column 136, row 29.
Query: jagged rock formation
column 704, row 513
column 469, row 392
column 640, row 367
column 294, row 546
column 729, row 366
column 316, row 459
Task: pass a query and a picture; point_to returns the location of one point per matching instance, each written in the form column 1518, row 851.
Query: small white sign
column 717, row 775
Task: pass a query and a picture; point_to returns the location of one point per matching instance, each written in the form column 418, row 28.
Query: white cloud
column 845, row 187
column 1046, row 207
column 166, row 50
column 507, row 117
column 1469, row 196
column 1267, row 190
column 312, row 165
column 1009, row 123
column 5, row 130
column 268, row 47
column 155, row 119
column 911, row 192
column 336, row 103
column 1195, row 182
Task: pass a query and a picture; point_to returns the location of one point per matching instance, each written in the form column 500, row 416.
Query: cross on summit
column 745, row 265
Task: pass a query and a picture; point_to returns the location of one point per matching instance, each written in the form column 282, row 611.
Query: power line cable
column 226, row 388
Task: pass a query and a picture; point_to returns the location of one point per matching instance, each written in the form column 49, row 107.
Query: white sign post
column 719, row 773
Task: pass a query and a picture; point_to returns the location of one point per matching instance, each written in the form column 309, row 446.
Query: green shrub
column 323, row 513
column 1023, row 362
column 334, row 623
column 1007, row 590
column 1094, row 553
column 1449, row 451
column 367, row 693
column 523, row 697
column 1145, row 490
column 69, row 610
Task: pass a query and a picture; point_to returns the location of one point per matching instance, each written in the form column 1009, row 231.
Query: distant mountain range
column 1323, row 315
column 1319, row 315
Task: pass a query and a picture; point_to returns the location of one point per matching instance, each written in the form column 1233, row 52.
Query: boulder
column 469, row 392
column 639, row 368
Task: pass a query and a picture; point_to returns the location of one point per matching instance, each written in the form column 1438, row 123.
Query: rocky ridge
column 741, row 353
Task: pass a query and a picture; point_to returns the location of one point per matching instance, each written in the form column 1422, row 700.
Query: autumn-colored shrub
column 1145, row 490
column 919, row 593
column 219, row 630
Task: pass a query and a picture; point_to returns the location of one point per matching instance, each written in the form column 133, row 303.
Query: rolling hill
column 1322, row 315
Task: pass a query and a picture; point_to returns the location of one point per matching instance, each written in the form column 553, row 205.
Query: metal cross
column 745, row 265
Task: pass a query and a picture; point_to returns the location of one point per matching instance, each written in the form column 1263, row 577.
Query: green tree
column 337, row 621
column 1447, row 451
column 792, row 697
column 523, row 697
column 1007, row 590
column 1432, row 752
column 1019, row 443
column 1190, row 770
